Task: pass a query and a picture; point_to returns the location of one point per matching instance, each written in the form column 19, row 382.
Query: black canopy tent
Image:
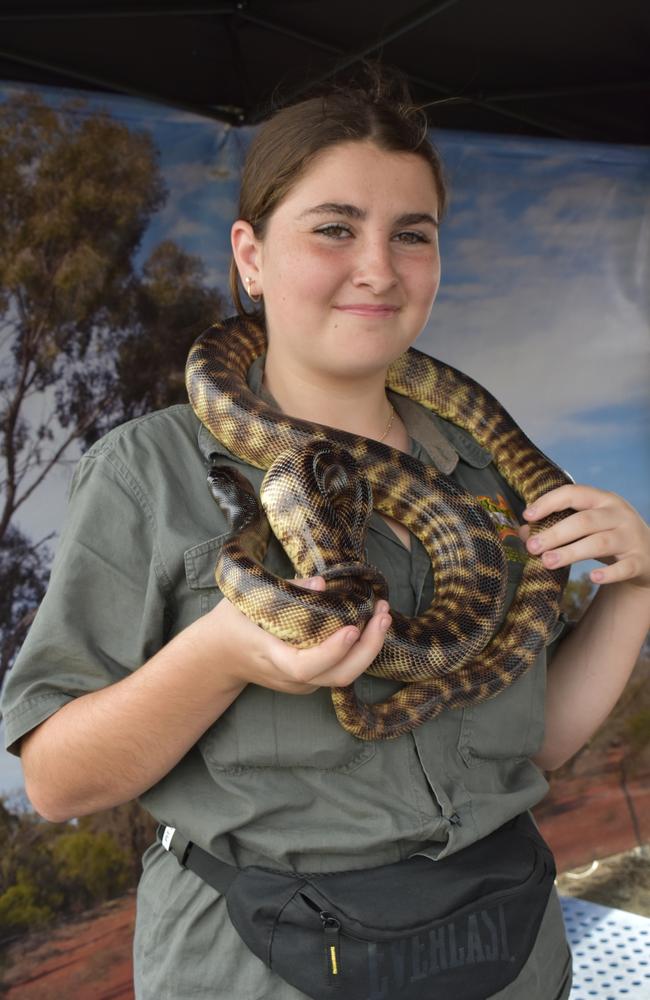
column 568, row 69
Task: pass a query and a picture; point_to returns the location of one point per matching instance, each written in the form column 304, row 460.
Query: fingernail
column 530, row 511
column 385, row 621
column 550, row 558
column 351, row 636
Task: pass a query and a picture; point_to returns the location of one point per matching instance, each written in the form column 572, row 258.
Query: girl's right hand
column 252, row 656
column 110, row 745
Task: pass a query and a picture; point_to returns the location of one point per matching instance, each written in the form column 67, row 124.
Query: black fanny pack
column 456, row 929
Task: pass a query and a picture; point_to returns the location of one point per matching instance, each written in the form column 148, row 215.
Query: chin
column 360, row 367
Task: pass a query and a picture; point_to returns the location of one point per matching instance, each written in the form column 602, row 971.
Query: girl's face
column 349, row 265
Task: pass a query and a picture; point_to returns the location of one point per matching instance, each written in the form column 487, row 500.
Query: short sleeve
column 103, row 613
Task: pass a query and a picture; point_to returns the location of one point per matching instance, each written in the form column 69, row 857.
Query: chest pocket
column 511, row 724
column 265, row 728
column 200, row 562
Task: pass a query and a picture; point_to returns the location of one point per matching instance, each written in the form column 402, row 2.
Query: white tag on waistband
column 167, row 837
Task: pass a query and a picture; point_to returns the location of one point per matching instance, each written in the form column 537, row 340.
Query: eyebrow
column 353, row 212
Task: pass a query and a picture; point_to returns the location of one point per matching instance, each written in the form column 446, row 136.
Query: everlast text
column 478, row 937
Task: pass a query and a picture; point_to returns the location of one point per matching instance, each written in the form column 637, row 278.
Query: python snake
column 448, row 657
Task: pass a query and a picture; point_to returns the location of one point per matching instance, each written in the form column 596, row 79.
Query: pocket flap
column 200, row 562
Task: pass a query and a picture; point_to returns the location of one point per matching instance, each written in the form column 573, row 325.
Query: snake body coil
column 449, row 656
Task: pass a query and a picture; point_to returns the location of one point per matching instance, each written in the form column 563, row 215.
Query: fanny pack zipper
column 333, row 928
column 332, row 931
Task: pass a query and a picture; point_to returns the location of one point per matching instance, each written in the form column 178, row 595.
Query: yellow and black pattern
column 318, row 506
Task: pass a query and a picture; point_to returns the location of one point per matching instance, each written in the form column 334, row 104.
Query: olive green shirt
column 275, row 780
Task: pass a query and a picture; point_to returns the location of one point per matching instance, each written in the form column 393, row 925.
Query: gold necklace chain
column 389, row 424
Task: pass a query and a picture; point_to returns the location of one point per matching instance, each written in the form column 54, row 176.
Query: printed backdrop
column 544, row 296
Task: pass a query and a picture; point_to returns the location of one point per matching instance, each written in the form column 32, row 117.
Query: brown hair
column 379, row 111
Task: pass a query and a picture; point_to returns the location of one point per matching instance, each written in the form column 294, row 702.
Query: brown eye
column 413, row 237
column 335, row 230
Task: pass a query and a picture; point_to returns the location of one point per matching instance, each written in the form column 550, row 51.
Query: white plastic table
column 611, row 951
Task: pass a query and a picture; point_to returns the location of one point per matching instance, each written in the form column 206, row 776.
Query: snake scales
column 449, row 656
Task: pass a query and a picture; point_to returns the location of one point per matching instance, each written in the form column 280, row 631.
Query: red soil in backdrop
column 596, row 813
column 588, row 815
column 88, row 958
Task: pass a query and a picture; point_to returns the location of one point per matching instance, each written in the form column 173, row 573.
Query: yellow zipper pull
column 331, row 929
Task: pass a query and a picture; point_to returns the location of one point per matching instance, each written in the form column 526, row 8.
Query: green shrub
column 91, row 867
column 20, row 910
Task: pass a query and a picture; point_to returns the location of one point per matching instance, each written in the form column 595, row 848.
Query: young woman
column 137, row 679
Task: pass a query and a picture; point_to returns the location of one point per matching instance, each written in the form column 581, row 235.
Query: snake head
column 235, row 496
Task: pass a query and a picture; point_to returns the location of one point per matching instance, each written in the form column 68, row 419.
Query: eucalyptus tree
column 87, row 337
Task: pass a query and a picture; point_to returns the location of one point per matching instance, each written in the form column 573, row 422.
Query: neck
column 356, row 405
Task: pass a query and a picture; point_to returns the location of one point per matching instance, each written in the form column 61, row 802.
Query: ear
column 246, row 251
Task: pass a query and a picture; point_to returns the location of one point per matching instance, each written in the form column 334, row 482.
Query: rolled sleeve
column 103, row 614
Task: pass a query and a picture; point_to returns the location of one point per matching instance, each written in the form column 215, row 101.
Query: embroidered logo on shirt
column 506, row 524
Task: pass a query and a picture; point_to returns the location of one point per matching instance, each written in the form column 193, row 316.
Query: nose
column 374, row 265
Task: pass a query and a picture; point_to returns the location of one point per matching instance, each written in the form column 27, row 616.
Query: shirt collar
column 444, row 441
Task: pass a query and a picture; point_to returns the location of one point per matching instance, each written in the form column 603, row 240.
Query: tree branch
column 54, row 459
column 9, row 431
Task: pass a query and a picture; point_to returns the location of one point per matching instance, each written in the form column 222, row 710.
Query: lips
column 363, row 309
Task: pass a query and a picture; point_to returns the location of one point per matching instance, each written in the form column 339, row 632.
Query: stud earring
column 253, row 298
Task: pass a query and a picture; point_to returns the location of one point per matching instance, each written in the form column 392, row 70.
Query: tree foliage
column 90, row 867
column 20, row 910
column 24, row 568
column 88, row 337
column 130, row 827
column 48, row 869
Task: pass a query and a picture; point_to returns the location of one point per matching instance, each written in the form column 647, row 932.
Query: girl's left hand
column 603, row 526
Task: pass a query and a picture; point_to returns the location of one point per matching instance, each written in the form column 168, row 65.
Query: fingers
column 623, row 569
column 258, row 657
column 570, row 497
column 342, row 657
column 591, row 534
column 603, row 526
column 359, row 653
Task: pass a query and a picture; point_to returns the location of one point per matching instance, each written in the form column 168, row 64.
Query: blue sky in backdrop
column 545, row 295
